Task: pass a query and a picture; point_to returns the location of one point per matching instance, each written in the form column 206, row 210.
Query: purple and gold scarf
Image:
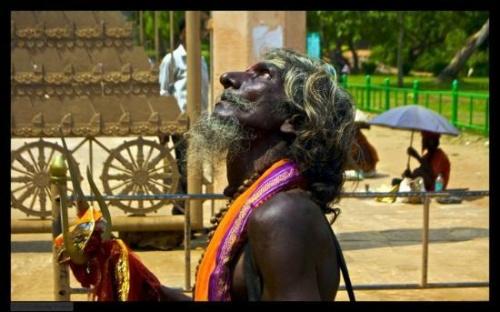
column 213, row 281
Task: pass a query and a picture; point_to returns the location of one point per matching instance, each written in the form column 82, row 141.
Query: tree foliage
column 462, row 56
column 431, row 38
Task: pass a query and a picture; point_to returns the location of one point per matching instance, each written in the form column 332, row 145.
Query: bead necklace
column 217, row 218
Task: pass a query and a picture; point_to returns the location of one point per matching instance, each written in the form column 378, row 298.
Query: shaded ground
column 381, row 241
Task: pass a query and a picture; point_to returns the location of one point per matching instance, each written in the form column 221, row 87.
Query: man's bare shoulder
column 291, row 246
column 292, row 209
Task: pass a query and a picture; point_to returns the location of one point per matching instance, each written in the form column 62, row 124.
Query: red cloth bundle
column 113, row 271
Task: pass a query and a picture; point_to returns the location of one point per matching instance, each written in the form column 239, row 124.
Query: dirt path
column 381, row 242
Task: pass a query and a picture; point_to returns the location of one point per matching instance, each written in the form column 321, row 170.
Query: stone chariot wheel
column 30, row 178
column 140, row 167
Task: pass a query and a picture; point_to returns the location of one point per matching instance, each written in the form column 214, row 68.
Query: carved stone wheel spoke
column 30, row 178
column 140, row 167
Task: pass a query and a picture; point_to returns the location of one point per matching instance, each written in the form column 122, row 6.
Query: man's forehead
column 264, row 63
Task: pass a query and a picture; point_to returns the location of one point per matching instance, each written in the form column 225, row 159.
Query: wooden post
column 187, row 249
column 58, row 180
column 210, row 187
column 194, row 173
column 425, row 242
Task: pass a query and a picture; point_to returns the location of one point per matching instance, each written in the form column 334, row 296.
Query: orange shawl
column 280, row 175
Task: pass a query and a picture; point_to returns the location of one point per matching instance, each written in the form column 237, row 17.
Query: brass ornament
column 58, row 33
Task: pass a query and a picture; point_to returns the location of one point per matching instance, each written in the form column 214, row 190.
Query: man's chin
column 212, row 136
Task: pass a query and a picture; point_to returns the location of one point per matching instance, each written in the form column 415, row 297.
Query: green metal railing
column 465, row 110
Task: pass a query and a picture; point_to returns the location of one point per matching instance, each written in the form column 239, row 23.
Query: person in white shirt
column 173, row 75
column 173, row 82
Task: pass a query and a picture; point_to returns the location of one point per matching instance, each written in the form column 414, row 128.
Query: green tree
column 343, row 30
column 460, row 58
column 430, row 37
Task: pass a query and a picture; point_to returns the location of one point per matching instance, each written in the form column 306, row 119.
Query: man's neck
column 263, row 152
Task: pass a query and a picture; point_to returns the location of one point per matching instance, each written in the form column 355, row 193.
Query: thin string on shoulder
column 343, row 268
column 340, row 255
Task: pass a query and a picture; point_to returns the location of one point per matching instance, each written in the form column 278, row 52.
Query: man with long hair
column 285, row 128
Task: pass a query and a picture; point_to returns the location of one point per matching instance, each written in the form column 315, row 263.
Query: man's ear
column 288, row 127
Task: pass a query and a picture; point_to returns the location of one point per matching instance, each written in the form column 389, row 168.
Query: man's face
column 253, row 97
column 248, row 107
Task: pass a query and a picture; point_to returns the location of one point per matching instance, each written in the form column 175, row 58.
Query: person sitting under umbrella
column 432, row 163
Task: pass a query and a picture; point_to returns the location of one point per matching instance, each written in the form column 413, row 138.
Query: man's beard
column 212, row 138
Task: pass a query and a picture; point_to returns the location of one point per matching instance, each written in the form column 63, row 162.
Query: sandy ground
column 381, row 242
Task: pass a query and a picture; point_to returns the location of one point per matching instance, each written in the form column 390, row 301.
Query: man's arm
column 285, row 245
column 413, row 153
column 424, row 171
column 165, row 75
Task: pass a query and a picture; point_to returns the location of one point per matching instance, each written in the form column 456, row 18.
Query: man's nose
column 231, row 80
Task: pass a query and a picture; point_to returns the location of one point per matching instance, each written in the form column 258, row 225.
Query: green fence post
column 415, row 91
column 368, row 92
column 343, row 81
column 487, row 118
column 387, row 94
column 471, row 111
column 454, row 102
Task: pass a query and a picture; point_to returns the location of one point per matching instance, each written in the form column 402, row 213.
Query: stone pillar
column 239, row 37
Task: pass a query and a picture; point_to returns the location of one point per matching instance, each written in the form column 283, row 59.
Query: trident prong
column 73, row 173
column 102, row 205
column 58, row 170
